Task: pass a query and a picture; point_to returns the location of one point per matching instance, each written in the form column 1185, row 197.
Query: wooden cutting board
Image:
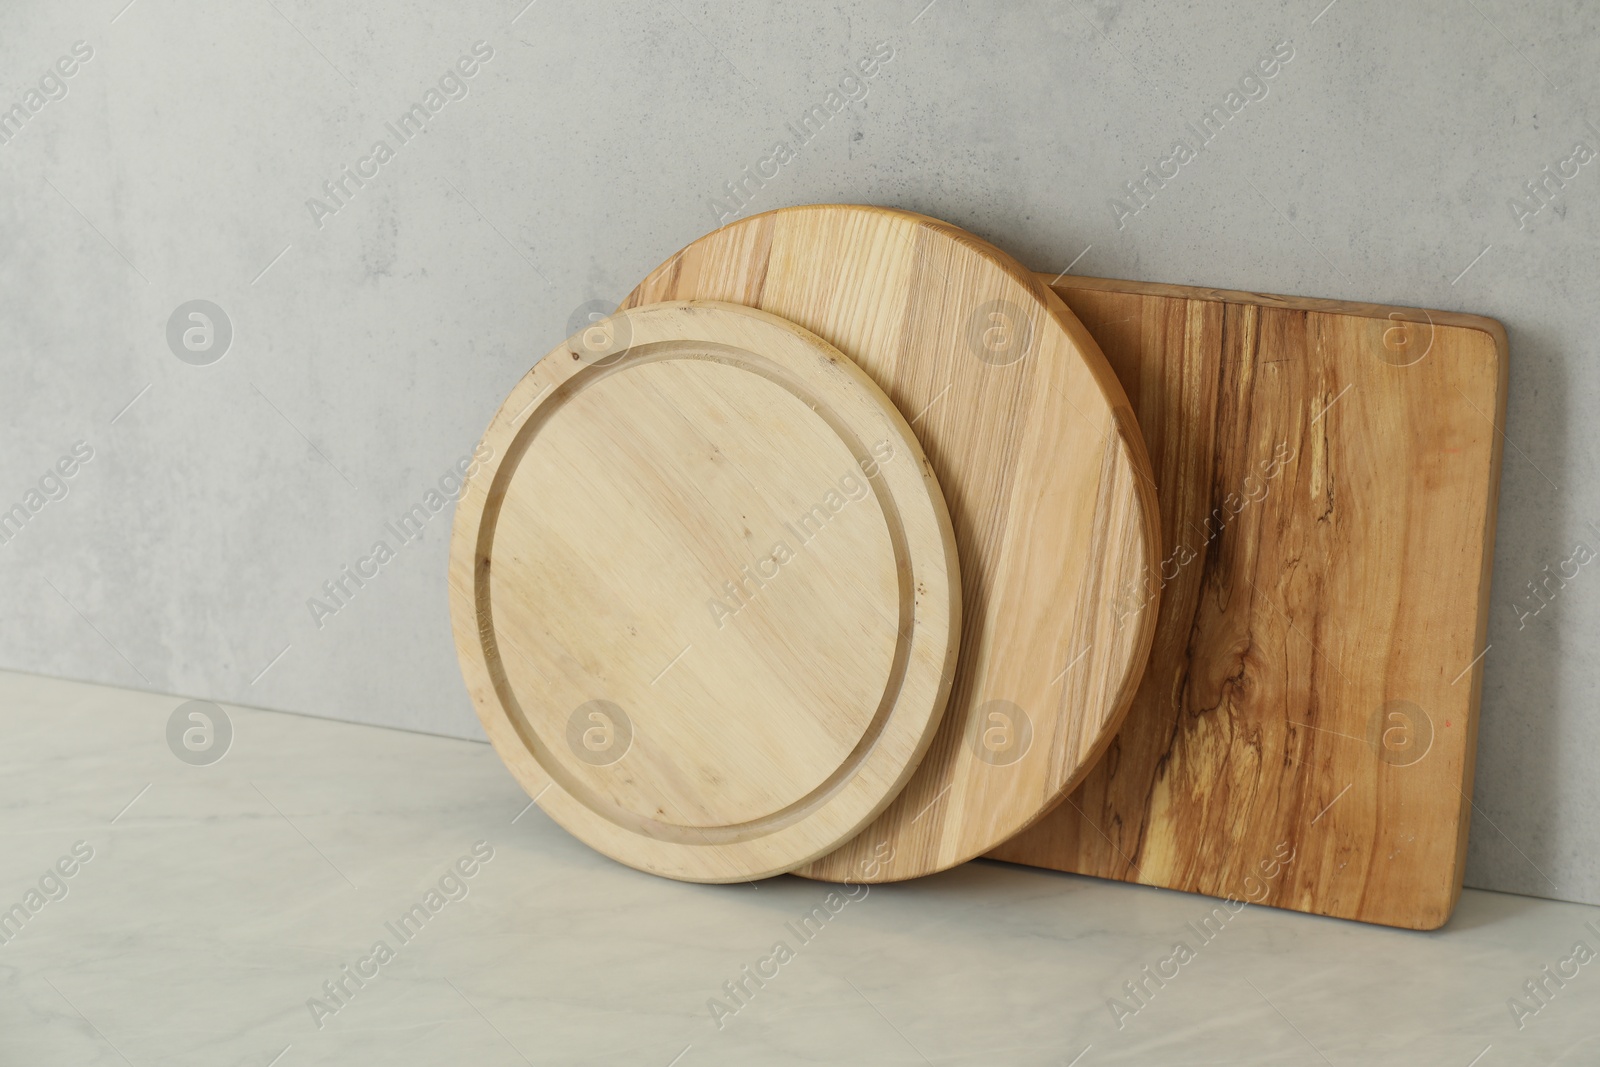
column 1047, row 481
column 1328, row 478
column 705, row 591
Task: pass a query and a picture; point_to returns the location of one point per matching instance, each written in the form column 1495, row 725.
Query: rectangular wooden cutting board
column 1328, row 475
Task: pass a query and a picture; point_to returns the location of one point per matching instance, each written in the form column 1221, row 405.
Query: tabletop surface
column 217, row 900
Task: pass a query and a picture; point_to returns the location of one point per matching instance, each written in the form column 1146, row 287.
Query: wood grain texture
column 1050, row 491
column 1328, row 478
column 705, row 594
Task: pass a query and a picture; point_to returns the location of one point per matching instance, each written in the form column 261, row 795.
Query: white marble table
column 219, row 900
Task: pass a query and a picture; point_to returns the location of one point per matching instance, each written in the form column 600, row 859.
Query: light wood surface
column 1048, row 485
column 705, row 593
column 1313, row 690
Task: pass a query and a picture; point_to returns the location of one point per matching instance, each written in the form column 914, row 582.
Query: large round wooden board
column 705, row 591
column 1046, row 477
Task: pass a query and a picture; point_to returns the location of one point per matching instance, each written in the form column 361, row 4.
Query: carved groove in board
column 665, row 829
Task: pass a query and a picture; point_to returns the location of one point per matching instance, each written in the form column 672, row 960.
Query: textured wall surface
column 165, row 152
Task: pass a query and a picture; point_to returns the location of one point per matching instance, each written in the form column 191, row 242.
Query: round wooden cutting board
column 705, row 592
column 1046, row 477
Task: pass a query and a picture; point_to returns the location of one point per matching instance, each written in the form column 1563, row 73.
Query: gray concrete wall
column 372, row 335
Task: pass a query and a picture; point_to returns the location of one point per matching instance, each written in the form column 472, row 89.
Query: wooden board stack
column 1223, row 570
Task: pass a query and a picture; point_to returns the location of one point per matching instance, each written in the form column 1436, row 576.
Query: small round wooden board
column 1047, row 480
column 705, row 592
